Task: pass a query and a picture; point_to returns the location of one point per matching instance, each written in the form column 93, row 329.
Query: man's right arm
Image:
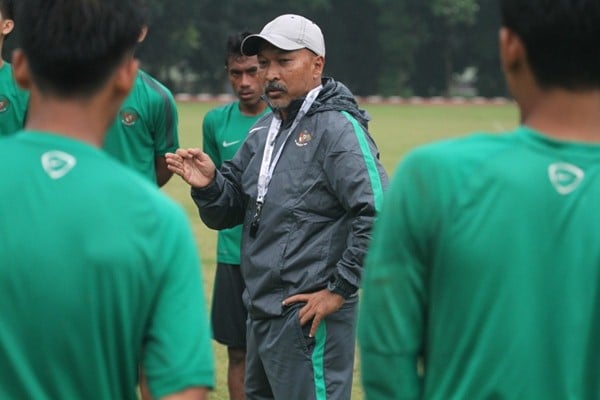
column 391, row 325
column 219, row 199
column 177, row 350
column 222, row 203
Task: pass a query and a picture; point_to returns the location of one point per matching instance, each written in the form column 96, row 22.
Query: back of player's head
column 234, row 45
column 561, row 38
column 7, row 9
column 73, row 46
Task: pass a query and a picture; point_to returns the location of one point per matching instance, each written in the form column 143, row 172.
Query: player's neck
column 565, row 115
column 251, row 110
column 76, row 119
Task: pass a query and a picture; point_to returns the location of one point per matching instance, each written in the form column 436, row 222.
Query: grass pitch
column 396, row 129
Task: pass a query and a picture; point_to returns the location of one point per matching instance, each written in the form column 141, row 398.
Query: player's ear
column 21, row 71
column 318, row 63
column 143, row 34
column 512, row 50
column 7, row 26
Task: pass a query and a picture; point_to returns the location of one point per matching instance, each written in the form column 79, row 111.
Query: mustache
column 275, row 86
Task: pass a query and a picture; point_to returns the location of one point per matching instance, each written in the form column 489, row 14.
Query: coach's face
column 289, row 75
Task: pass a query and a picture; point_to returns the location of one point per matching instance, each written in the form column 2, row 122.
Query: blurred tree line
column 384, row 47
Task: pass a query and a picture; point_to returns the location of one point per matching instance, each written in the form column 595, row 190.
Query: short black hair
column 234, row 45
column 562, row 40
column 7, row 9
column 73, row 46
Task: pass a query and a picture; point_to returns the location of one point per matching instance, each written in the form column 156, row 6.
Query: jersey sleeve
column 178, row 350
column 209, row 139
column 394, row 298
column 166, row 120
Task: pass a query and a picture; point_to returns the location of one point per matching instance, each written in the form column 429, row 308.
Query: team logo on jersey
column 57, row 163
column 4, row 103
column 565, row 177
column 229, row 144
column 303, row 139
column 129, row 116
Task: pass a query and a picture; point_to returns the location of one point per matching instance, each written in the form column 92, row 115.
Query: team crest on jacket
column 303, row 138
column 129, row 116
column 4, row 103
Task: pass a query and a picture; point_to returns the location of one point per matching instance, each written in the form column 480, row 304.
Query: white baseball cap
column 287, row 32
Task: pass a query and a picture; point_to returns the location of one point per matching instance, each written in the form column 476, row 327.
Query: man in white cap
column 306, row 184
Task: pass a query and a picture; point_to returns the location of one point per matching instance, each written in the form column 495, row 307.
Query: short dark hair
column 561, row 38
column 73, row 46
column 7, row 9
column 234, row 45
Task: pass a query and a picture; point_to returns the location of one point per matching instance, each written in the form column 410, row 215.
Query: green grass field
column 396, row 129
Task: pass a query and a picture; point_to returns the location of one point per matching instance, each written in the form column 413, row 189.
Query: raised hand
column 192, row 165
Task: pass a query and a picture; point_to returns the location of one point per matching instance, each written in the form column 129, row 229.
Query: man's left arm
column 177, row 357
column 166, row 135
column 358, row 180
column 162, row 171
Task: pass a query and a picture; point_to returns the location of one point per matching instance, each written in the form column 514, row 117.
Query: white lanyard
column 267, row 167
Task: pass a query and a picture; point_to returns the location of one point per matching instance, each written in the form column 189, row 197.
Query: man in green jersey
column 98, row 269
column 13, row 99
column 223, row 131
column 484, row 268
column 145, row 128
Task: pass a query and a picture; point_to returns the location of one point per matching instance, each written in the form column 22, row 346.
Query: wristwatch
column 341, row 287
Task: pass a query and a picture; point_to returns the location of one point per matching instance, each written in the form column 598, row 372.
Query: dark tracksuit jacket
column 316, row 220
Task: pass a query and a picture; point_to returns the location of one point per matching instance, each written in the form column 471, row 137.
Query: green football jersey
column 13, row 102
column 485, row 267
column 223, row 132
column 146, row 126
column 99, row 274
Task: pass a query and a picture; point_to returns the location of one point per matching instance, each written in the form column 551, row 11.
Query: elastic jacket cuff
column 209, row 192
column 340, row 286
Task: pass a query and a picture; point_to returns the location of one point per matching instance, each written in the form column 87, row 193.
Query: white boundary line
column 226, row 98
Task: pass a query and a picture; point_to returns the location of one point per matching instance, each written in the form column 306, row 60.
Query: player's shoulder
column 453, row 163
column 222, row 111
column 477, row 146
column 259, row 127
column 6, row 76
column 134, row 191
column 6, row 71
column 6, row 67
column 267, row 116
column 146, row 82
column 100, row 180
